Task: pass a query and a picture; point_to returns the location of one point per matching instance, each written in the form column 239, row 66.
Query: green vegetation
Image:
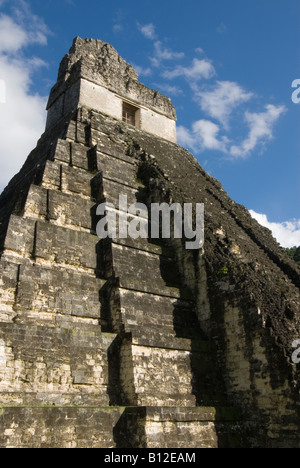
column 223, row 271
column 294, row 253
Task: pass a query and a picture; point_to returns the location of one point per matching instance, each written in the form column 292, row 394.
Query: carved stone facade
column 136, row 343
column 93, row 75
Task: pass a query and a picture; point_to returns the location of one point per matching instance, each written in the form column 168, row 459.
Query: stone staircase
column 99, row 338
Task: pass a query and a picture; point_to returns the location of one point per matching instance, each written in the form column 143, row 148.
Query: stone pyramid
column 136, row 343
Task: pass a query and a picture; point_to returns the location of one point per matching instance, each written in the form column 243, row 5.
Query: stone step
column 152, row 309
column 113, row 152
column 58, row 176
column 165, row 338
column 64, row 209
column 146, row 272
column 46, row 292
column 30, row 238
column 60, row 427
column 141, row 243
column 160, row 398
column 154, row 369
column 101, row 136
column 57, row 399
column 72, row 154
column 117, row 168
column 109, row 190
column 130, row 309
column 199, row 413
column 48, row 365
column 65, row 246
column 97, row 426
column 201, row 427
column 160, row 362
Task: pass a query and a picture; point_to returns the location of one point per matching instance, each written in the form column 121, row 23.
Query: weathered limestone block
column 116, row 169
column 82, row 134
column 36, row 206
column 79, row 156
column 144, row 271
column 51, row 362
column 114, row 151
column 161, row 337
column 62, row 208
column 128, row 388
column 72, row 145
column 59, row 427
column 140, row 244
column 20, row 237
column 9, row 275
column 101, row 138
column 45, row 294
column 65, row 246
column 52, row 175
column 76, row 181
column 65, row 178
column 63, row 151
column 162, row 376
column 72, row 128
column 247, row 375
column 178, row 317
column 201, row 427
column 112, row 190
column 138, row 307
column 70, row 210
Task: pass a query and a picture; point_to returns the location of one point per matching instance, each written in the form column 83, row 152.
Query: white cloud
column 35, row 27
column 117, row 28
column 203, row 136
column 261, row 129
column 222, row 100
column 207, row 132
column 142, row 71
column 222, row 28
column 22, row 113
column 186, row 138
column 287, row 233
column 198, row 70
column 148, row 30
column 118, row 20
column 12, row 36
column 163, row 53
column 168, row 89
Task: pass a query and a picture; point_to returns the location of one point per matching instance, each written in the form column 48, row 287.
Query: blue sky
column 227, row 65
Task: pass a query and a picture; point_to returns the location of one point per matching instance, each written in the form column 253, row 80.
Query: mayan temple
column 124, row 343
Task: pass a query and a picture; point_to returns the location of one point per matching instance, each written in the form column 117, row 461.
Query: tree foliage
column 294, row 253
